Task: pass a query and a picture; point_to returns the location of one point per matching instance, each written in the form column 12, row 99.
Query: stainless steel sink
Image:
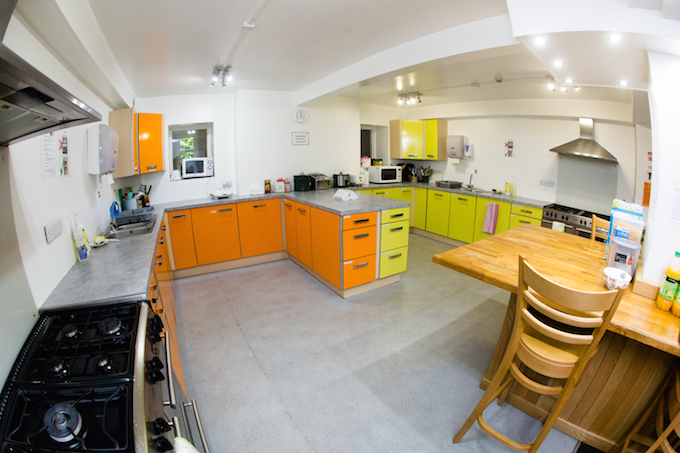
column 474, row 190
column 131, row 229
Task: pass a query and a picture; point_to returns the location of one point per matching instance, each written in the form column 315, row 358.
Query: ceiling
column 168, row 47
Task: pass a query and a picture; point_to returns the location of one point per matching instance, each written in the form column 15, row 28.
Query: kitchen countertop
column 119, row 271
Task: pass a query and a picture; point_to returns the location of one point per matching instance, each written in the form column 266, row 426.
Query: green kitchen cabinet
column 438, row 212
column 502, row 221
column 462, row 217
column 420, row 208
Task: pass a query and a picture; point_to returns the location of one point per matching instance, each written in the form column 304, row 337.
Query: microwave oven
column 380, row 174
column 197, row 167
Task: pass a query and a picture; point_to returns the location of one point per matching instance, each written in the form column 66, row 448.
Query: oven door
column 567, row 228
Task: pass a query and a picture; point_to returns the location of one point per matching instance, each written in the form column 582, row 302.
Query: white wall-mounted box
column 102, row 150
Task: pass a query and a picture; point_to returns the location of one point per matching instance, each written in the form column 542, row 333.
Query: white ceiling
column 167, row 47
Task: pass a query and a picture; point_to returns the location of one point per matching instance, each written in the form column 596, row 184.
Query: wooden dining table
column 634, row 357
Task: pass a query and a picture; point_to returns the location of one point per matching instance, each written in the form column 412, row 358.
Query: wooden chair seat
column 555, row 332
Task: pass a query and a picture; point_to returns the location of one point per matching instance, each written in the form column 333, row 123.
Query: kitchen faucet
column 470, row 186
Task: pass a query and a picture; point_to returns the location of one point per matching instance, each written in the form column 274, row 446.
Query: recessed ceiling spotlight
column 551, row 86
column 540, row 41
column 564, row 89
column 577, row 89
column 568, row 80
column 615, row 38
column 623, row 83
column 558, row 63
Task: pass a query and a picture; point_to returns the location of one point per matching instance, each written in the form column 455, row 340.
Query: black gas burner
column 70, row 331
column 103, row 364
column 56, row 367
column 63, row 423
column 110, row 326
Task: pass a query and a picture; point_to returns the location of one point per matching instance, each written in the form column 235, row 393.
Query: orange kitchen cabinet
column 359, row 220
column 216, row 233
column 358, row 242
column 303, row 224
column 162, row 259
column 326, row 245
column 259, row 225
column 182, row 237
column 291, row 229
column 358, row 271
column 150, row 130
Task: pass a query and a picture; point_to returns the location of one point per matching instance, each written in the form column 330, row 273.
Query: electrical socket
column 53, row 229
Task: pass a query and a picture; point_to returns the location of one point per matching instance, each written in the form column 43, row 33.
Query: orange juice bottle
column 667, row 297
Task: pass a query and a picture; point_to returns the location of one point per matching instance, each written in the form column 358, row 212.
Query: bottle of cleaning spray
column 80, row 239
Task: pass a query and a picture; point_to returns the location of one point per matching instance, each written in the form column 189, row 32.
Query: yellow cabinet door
column 216, row 233
column 366, row 191
column 438, row 212
column 393, row 261
column 462, row 217
column 517, row 220
column 420, row 208
column 406, row 139
column 394, row 235
column 405, row 194
column 528, row 211
column 386, row 192
column 502, row 221
column 303, row 223
column 435, row 140
column 289, row 224
column 395, row 215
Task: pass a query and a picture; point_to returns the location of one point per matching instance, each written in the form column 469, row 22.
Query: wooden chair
column 659, row 425
column 602, row 224
column 556, row 331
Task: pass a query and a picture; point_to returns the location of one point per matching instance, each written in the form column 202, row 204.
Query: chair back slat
column 588, row 322
column 555, row 334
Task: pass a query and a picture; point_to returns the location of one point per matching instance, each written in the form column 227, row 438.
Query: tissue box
column 345, row 195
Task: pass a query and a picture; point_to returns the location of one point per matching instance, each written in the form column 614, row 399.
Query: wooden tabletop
column 571, row 261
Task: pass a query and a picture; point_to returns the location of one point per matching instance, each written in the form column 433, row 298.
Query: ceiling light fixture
column 558, row 63
column 540, row 41
column 409, row 98
column 223, row 73
column 615, row 38
column 623, row 83
column 577, row 89
column 564, row 89
column 568, row 80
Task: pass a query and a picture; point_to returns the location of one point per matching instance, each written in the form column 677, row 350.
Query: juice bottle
column 667, row 297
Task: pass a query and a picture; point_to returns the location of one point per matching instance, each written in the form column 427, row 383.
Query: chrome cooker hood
column 585, row 146
column 30, row 103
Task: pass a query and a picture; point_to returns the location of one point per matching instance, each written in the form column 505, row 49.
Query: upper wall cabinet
column 140, row 147
column 418, row 139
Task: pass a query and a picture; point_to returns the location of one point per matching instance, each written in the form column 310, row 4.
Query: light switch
column 53, row 229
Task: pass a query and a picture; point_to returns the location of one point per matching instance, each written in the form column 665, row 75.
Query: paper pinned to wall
column 49, row 155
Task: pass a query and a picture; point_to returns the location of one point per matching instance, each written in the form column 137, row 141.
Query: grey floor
column 279, row 363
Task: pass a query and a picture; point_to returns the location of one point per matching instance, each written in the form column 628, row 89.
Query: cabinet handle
column 162, row 241
column 159, row 260
column 151, row 167
column 259, row 206
column 288, row 205
column 381, row 193
column 179, row 216
column 525, row 210
column 438, row 195
column 201, row 432
column 163, row 228
column 359, row 236
column 357, row 266
column 524, row 221
column 395, row 256
column 412, row 155
column 396, row 229
column 225, row 210
column 361, row 221
column 168, row 364
column 430, row 155
column 397, row 215
column 462, row 199
column 302, row 210
column 406, row 190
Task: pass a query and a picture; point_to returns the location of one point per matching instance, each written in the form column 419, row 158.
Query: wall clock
column 300, row 115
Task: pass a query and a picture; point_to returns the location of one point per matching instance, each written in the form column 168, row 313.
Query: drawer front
column 536, row 213
column 358, row 242
column 359, row 220
column 406, row 194
column 517, row 220
column 358, row 271
column 393, row 261
column 395, row 215
column 394, row 235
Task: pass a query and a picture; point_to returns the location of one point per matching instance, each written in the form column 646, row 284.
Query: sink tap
column 470, row 186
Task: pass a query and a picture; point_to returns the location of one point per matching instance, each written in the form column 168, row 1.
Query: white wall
column 264, row 123
column 213, row 108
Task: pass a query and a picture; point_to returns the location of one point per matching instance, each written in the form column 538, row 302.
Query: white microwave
column 380, row 174
column 197, row 167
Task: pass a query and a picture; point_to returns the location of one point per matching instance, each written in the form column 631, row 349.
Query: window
column 190, row 140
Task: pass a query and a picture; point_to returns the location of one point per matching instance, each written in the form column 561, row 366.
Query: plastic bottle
column 79, row 237
column 668, row 293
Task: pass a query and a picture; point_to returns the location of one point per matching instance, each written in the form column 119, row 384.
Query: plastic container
column 287, row 186
column 267, row 186
column 624, row 255
column 80, row 239
column 668, row 293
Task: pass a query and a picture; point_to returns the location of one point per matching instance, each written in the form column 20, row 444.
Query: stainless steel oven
column 571, row 220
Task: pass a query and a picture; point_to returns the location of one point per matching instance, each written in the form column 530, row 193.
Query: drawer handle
column 179, row 216
column 438, row 195
column 396, row 229
column 225, row 210
column 288, row 205
column 430, row 155
column 359, row 236
column 412, row 155
column 395, row 256
column 357, row 266
column 462, row 199
column 162, row 241
column 524, row 221
column 525, row 210
column 397, row 215
column 163, row 228
column 149, row 167
column 361, row 221
column 406, row 190
column 302, row 210
column 381, row 193
column 259, row 206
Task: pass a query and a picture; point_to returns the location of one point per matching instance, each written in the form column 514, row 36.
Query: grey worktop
column 120, row 271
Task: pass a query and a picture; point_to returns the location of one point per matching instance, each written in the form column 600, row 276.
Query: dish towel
column 490, row 218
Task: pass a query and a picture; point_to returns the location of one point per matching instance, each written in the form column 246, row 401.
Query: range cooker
column 90, row 379
column 576, row 221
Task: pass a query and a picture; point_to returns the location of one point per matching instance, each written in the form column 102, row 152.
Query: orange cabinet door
column 303, row 223
column 358, row 271
column 150, row 136
column 162, row 258
column 359, row 220
column 216, row 233
column 358, row 242
column 289, row 209
column 326, row 258
column 182, row 236
column 259, row 224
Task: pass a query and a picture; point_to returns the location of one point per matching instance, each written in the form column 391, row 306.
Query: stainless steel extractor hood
column 585, row 146
column 30, row 103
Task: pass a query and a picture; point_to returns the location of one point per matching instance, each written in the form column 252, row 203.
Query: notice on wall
column 51, row 160
column 300, row 138
column 63, row 147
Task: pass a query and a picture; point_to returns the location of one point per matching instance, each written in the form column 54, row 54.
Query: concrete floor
column 279, row 363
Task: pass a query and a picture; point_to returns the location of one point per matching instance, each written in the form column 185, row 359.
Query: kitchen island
column 635, row 355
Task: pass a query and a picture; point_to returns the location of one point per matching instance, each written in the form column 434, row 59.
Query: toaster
column 320, row 181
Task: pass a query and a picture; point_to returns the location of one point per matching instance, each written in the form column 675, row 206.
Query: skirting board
column 233, row 264
column 436, row 237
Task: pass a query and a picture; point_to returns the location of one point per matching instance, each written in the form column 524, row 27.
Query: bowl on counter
column 616, row 278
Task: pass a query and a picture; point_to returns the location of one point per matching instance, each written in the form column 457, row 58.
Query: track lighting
column 409, row 98
column 221, row 72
